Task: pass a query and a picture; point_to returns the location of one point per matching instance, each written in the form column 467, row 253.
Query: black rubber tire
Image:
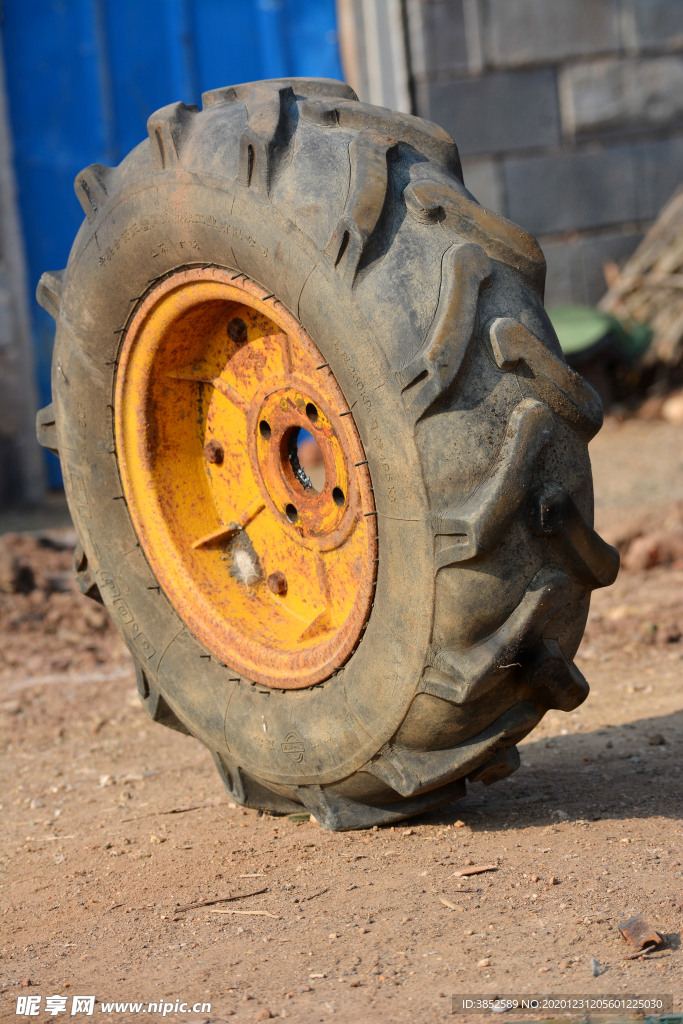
column 429, row 310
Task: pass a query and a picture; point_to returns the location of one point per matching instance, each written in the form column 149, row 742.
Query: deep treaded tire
column 348, row 227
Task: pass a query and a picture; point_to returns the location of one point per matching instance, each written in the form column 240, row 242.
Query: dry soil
column 114, row 824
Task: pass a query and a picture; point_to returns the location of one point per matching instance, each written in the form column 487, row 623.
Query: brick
column 591, row 256
column 560, row 288
column 438, row 41
column 573, row 191
column 540, row 31
column 612, row 94
column 652, row 23
column 659, row 170
column 483, row 179
column 497, row 112
column 575, row 268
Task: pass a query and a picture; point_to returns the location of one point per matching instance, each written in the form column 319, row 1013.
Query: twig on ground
column 174, row 810
column 303, row 899
column 222, row 899
column 260, row 913
column 447, row 903
column 476, row 870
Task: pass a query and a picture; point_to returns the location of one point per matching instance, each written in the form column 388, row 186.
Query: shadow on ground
column 616, row 773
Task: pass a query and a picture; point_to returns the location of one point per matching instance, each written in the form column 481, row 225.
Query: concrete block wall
column 568, row 115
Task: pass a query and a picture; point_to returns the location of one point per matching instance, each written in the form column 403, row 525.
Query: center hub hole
column 306, row 460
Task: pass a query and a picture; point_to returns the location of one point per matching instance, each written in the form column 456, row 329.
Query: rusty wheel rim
column 273, row 572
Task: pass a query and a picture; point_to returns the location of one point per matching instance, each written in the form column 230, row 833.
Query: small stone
column 656, row 739
column 553, row 880
column 484, row 963
column 263, row 1014
column 534, row 878
column 333, row 935
column 354, row 983
column 543, row 970
column 595, row 967
column 364, row 931
column 469, row 863
column 305, row 988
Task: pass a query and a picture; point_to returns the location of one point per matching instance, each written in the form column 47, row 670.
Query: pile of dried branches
column 649, row 289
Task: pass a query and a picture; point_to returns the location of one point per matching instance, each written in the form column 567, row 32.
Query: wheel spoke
column 229, row 392
column 216, row 382
column 322, row 623
column 226, row 532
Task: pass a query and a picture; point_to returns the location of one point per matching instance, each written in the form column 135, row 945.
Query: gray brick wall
column 524, row 32
column 498, row 112
column 568, row 115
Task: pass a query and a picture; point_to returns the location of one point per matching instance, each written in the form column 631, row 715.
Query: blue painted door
column 83, row 76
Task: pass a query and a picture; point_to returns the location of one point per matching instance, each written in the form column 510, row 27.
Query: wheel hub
column 322, row 517
column 245, row 478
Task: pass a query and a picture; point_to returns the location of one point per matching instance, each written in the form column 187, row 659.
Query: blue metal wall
column 83, row 76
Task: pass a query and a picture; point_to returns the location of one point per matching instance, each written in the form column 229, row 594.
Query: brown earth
column 113, row 823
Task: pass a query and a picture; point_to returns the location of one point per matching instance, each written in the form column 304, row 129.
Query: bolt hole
column 264, row 429
column 291, row 513
column 312, row 412
column 338, row 496
column 237, row 331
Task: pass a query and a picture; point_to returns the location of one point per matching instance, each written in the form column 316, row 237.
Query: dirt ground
column 114, row 824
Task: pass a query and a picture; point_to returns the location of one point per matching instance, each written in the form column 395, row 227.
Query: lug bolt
column 213, row 452
column 277, row 582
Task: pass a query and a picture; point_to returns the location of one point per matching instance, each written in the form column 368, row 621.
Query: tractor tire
column 288, row 263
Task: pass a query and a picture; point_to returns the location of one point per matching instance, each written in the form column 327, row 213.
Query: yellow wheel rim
column 273, row 573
